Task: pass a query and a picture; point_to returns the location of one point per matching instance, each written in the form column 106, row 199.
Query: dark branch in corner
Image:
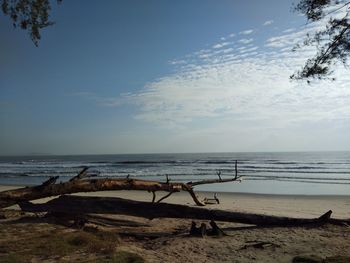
column 29, row 15
column 333, row 42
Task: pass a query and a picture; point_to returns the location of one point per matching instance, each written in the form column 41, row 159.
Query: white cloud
column 288, row 30
column 220, row 45
column 255, row 89
column 248, row 86
column 268, row 22
column 246, row 50
column 245, row 40
column 204, row 55
column 177, row 62
column 246, row 32
column 291, row 37
column 227, row 50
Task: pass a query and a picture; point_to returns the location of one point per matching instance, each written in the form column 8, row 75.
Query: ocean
column 292, row 173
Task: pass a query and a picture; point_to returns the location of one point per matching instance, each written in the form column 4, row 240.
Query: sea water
column 296, row 173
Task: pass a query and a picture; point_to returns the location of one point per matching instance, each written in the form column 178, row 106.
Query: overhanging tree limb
column 30, row 15
column 332, row 42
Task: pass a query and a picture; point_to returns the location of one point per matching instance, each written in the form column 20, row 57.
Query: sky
column 162, row 76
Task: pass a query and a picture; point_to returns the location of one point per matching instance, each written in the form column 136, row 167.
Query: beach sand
column 167, row 240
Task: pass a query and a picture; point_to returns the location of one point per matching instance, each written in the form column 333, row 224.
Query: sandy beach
column 306, row 206
column 167, row 240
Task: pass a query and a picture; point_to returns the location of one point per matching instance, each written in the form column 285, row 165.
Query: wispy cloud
column 244, row 84
column 220, row 45
column 288, row 30
column 105, row 101
column 246, row 32
column 268, row 22
column 291, row 36
column 247, row 49
column 245, row 40
column 177, row 62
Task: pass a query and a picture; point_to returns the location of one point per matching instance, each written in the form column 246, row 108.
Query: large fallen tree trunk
column 78, row 184
column 79, row 205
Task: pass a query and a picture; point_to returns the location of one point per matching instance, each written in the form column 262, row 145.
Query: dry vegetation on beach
column 116, row 238
column 26, row 238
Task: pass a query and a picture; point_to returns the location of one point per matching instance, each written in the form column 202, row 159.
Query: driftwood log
column 79, row 205
column 79, row 184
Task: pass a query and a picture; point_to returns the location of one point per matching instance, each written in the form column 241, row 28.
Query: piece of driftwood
column 200, row 231
column 112, row 205
column 79, row 184
column 259, row 245
column 215, row 230
column 212, row 201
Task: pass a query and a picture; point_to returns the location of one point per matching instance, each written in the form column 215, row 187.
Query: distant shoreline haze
column 158, row 153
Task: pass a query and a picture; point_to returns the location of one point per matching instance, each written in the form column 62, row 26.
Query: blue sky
column 167, row 76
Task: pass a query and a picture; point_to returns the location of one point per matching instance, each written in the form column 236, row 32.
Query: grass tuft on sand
column 60, row 245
